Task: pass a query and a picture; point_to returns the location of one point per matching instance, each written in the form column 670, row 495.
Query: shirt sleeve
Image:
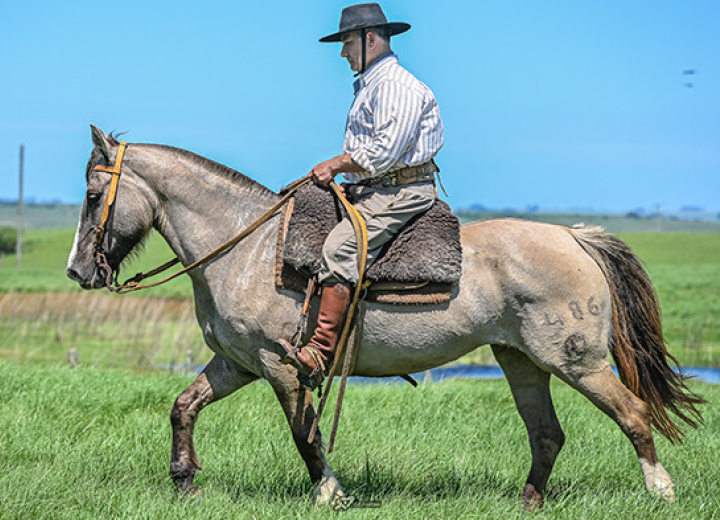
column 397, row 111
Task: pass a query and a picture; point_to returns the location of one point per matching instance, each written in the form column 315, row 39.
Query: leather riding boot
column 315, row 359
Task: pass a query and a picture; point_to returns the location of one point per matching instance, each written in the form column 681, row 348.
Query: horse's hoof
column 658, row 481
column 531, row 499
column 664, row 491
column 193, row 492
column 328, row 491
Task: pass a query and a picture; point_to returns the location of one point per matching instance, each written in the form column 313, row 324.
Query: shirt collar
column 373, row 70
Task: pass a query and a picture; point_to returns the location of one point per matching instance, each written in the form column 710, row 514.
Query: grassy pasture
column 94, row 443
column 36, row 323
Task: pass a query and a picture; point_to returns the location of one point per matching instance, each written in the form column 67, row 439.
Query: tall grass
column 109, row 331
column 94, row 443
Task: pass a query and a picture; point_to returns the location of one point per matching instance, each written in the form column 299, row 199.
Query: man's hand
column 326, row 171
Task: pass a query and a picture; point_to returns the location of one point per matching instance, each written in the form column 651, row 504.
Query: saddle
column 419, row 266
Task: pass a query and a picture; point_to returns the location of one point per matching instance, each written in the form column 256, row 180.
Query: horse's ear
column 100, row 141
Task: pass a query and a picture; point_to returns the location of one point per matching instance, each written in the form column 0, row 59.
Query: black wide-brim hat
column 364, row 16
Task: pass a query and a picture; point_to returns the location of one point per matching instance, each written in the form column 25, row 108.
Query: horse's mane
column 218, row 169
column 205, row 163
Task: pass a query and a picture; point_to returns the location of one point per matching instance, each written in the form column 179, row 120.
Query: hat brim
column 394, row 27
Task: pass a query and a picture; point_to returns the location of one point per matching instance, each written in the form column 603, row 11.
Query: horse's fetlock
column 182, row 471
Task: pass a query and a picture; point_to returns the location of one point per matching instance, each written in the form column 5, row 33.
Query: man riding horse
column 393, row 131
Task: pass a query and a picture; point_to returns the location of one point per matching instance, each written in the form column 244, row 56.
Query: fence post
column 189, row 361
column 18, row 246
column 73, row 357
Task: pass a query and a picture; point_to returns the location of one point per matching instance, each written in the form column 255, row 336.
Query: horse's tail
column 638, row 345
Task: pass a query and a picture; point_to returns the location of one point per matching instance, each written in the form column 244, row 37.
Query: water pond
column 706, row 374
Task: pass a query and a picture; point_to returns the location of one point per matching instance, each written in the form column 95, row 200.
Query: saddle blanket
column 419, row 266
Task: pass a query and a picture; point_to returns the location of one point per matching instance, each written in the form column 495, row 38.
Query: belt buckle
column 391, row 179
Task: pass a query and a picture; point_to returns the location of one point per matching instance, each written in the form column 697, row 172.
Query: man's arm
column 326, row 171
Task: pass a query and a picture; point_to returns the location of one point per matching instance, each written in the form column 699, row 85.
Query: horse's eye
column 93, row 197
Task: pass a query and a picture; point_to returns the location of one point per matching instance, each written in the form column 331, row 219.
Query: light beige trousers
column 385, row 211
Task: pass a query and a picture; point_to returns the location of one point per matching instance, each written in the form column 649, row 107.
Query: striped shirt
column 394, row 121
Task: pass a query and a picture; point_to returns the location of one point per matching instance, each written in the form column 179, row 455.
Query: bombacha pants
column 385, row 211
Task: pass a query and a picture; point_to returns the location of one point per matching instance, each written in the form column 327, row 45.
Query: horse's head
column 95, row 254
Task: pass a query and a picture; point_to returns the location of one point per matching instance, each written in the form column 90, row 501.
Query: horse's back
column 535, row 255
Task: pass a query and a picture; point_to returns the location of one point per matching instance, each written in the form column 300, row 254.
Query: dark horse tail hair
column 638, row 346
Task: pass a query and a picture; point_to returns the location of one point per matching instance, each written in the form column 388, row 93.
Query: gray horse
column 548, row 299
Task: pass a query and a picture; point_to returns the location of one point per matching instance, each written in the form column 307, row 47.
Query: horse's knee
column 177, row 412
column 183, row 408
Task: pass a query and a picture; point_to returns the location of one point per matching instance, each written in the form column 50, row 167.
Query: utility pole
column 18, row 246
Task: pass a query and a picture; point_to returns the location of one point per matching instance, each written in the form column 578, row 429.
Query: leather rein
column 133, row 284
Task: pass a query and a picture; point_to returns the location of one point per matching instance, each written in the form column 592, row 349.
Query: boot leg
column 315, row 359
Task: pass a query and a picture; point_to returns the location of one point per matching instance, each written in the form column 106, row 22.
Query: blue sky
column 566, row 104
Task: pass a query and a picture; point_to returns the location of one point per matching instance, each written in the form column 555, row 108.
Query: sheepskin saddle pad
column 419, row 266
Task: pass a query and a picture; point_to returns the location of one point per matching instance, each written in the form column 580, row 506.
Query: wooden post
column 73, row 357
column 18, row 245
column 189, row 361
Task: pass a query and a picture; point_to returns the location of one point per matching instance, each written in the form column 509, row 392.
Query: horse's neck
column 201, row 208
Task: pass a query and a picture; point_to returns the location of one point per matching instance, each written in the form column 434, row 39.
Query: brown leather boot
column 314, row 360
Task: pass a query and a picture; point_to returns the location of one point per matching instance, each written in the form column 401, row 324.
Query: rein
column 132, row 284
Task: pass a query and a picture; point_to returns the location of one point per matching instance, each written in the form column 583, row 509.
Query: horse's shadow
column 378, row 485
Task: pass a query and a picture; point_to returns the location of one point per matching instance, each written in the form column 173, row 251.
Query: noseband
column 101, row 230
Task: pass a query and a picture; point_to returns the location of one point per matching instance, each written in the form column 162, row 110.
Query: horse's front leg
column 219, row 379
column 297, row 403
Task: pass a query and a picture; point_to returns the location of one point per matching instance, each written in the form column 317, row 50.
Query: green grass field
column 94, row 443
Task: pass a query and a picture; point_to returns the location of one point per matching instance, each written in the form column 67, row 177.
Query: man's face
column 352, row 50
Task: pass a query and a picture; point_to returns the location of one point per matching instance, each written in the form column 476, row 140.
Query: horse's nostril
column 73, row 275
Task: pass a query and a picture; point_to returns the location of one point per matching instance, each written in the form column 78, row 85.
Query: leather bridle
column 101, row 229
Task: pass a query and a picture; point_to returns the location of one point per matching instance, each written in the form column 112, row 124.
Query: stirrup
column 290, row 357
column 311, row 380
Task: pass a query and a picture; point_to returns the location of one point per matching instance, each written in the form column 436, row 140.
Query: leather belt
column 411, row 175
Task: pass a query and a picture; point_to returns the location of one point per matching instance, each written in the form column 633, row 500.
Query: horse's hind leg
column 530, row 386
column 218, row 380
column 606, row 391
column 297, row 403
